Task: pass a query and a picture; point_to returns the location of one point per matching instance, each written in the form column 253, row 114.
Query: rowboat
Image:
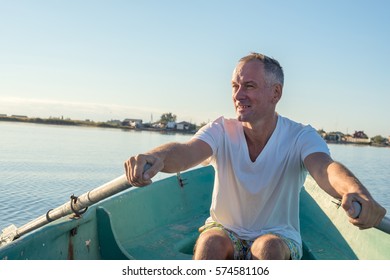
column 160, row 222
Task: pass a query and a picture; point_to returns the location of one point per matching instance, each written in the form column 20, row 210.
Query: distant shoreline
column 89, row 123
column 70, row 122
column 372, row 144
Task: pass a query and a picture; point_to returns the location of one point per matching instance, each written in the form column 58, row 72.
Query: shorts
column 242, row 247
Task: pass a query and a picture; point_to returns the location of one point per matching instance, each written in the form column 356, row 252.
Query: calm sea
column 41, row 166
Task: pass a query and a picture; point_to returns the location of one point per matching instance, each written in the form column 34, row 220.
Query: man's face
column 253, row 98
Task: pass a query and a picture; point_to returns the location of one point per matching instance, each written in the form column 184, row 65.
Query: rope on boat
column 48, row 216
column 73, row 201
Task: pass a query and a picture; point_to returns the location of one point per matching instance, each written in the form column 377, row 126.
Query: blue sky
column 115, row 59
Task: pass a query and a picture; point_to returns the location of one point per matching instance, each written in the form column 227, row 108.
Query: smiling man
column 261, row 160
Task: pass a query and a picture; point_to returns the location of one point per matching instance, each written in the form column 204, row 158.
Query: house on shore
column 134, row 123
column 181, row 126
column 335, row 137
column 359, row 137
column 186, row 126
column 170, row 125
column 19, row 117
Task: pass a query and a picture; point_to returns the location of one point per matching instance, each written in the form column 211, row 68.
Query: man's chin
column 241, row 118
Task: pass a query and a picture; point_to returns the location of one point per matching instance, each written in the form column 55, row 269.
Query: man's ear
column 277, row 90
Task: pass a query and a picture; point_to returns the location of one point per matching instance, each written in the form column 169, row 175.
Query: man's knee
column 213, row 244
column 270, row 247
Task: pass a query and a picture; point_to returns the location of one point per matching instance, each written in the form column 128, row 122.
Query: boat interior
column 161, row 221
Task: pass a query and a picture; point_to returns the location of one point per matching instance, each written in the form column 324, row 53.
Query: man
column 261, row 160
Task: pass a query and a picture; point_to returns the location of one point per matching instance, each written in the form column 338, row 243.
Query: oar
column 76, row 205
column 384, row 225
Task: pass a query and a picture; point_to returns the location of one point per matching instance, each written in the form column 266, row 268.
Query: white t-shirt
column 253, row 198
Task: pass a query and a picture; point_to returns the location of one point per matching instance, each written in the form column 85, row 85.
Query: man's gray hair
column 273, row 70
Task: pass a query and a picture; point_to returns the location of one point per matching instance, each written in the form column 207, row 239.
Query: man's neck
column 258, row 134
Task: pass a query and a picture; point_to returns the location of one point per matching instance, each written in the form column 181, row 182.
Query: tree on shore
column 378, row 139
column 167, row 117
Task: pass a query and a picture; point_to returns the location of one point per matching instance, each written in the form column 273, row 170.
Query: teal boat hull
column 161, row 221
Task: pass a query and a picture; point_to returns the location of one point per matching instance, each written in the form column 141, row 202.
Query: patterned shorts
column 242, row 247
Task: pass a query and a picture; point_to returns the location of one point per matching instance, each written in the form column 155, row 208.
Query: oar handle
column 357, row 207
column 384, row 225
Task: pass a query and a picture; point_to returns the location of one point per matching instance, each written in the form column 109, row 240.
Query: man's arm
column 339, row 182
column 170, row 158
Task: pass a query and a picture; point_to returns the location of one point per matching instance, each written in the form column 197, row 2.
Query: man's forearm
column 177, row 157
column 343, row 181
column 332, row 176
column 171, row 154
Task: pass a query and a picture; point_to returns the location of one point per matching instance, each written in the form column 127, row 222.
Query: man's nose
column 239, row 93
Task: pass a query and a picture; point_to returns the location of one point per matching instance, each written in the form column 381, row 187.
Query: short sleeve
column 311, row 142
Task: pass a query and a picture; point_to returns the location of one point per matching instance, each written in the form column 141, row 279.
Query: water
column 41, row 166
column 370, row 165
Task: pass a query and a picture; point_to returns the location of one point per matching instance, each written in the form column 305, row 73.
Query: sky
column 103, row 60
